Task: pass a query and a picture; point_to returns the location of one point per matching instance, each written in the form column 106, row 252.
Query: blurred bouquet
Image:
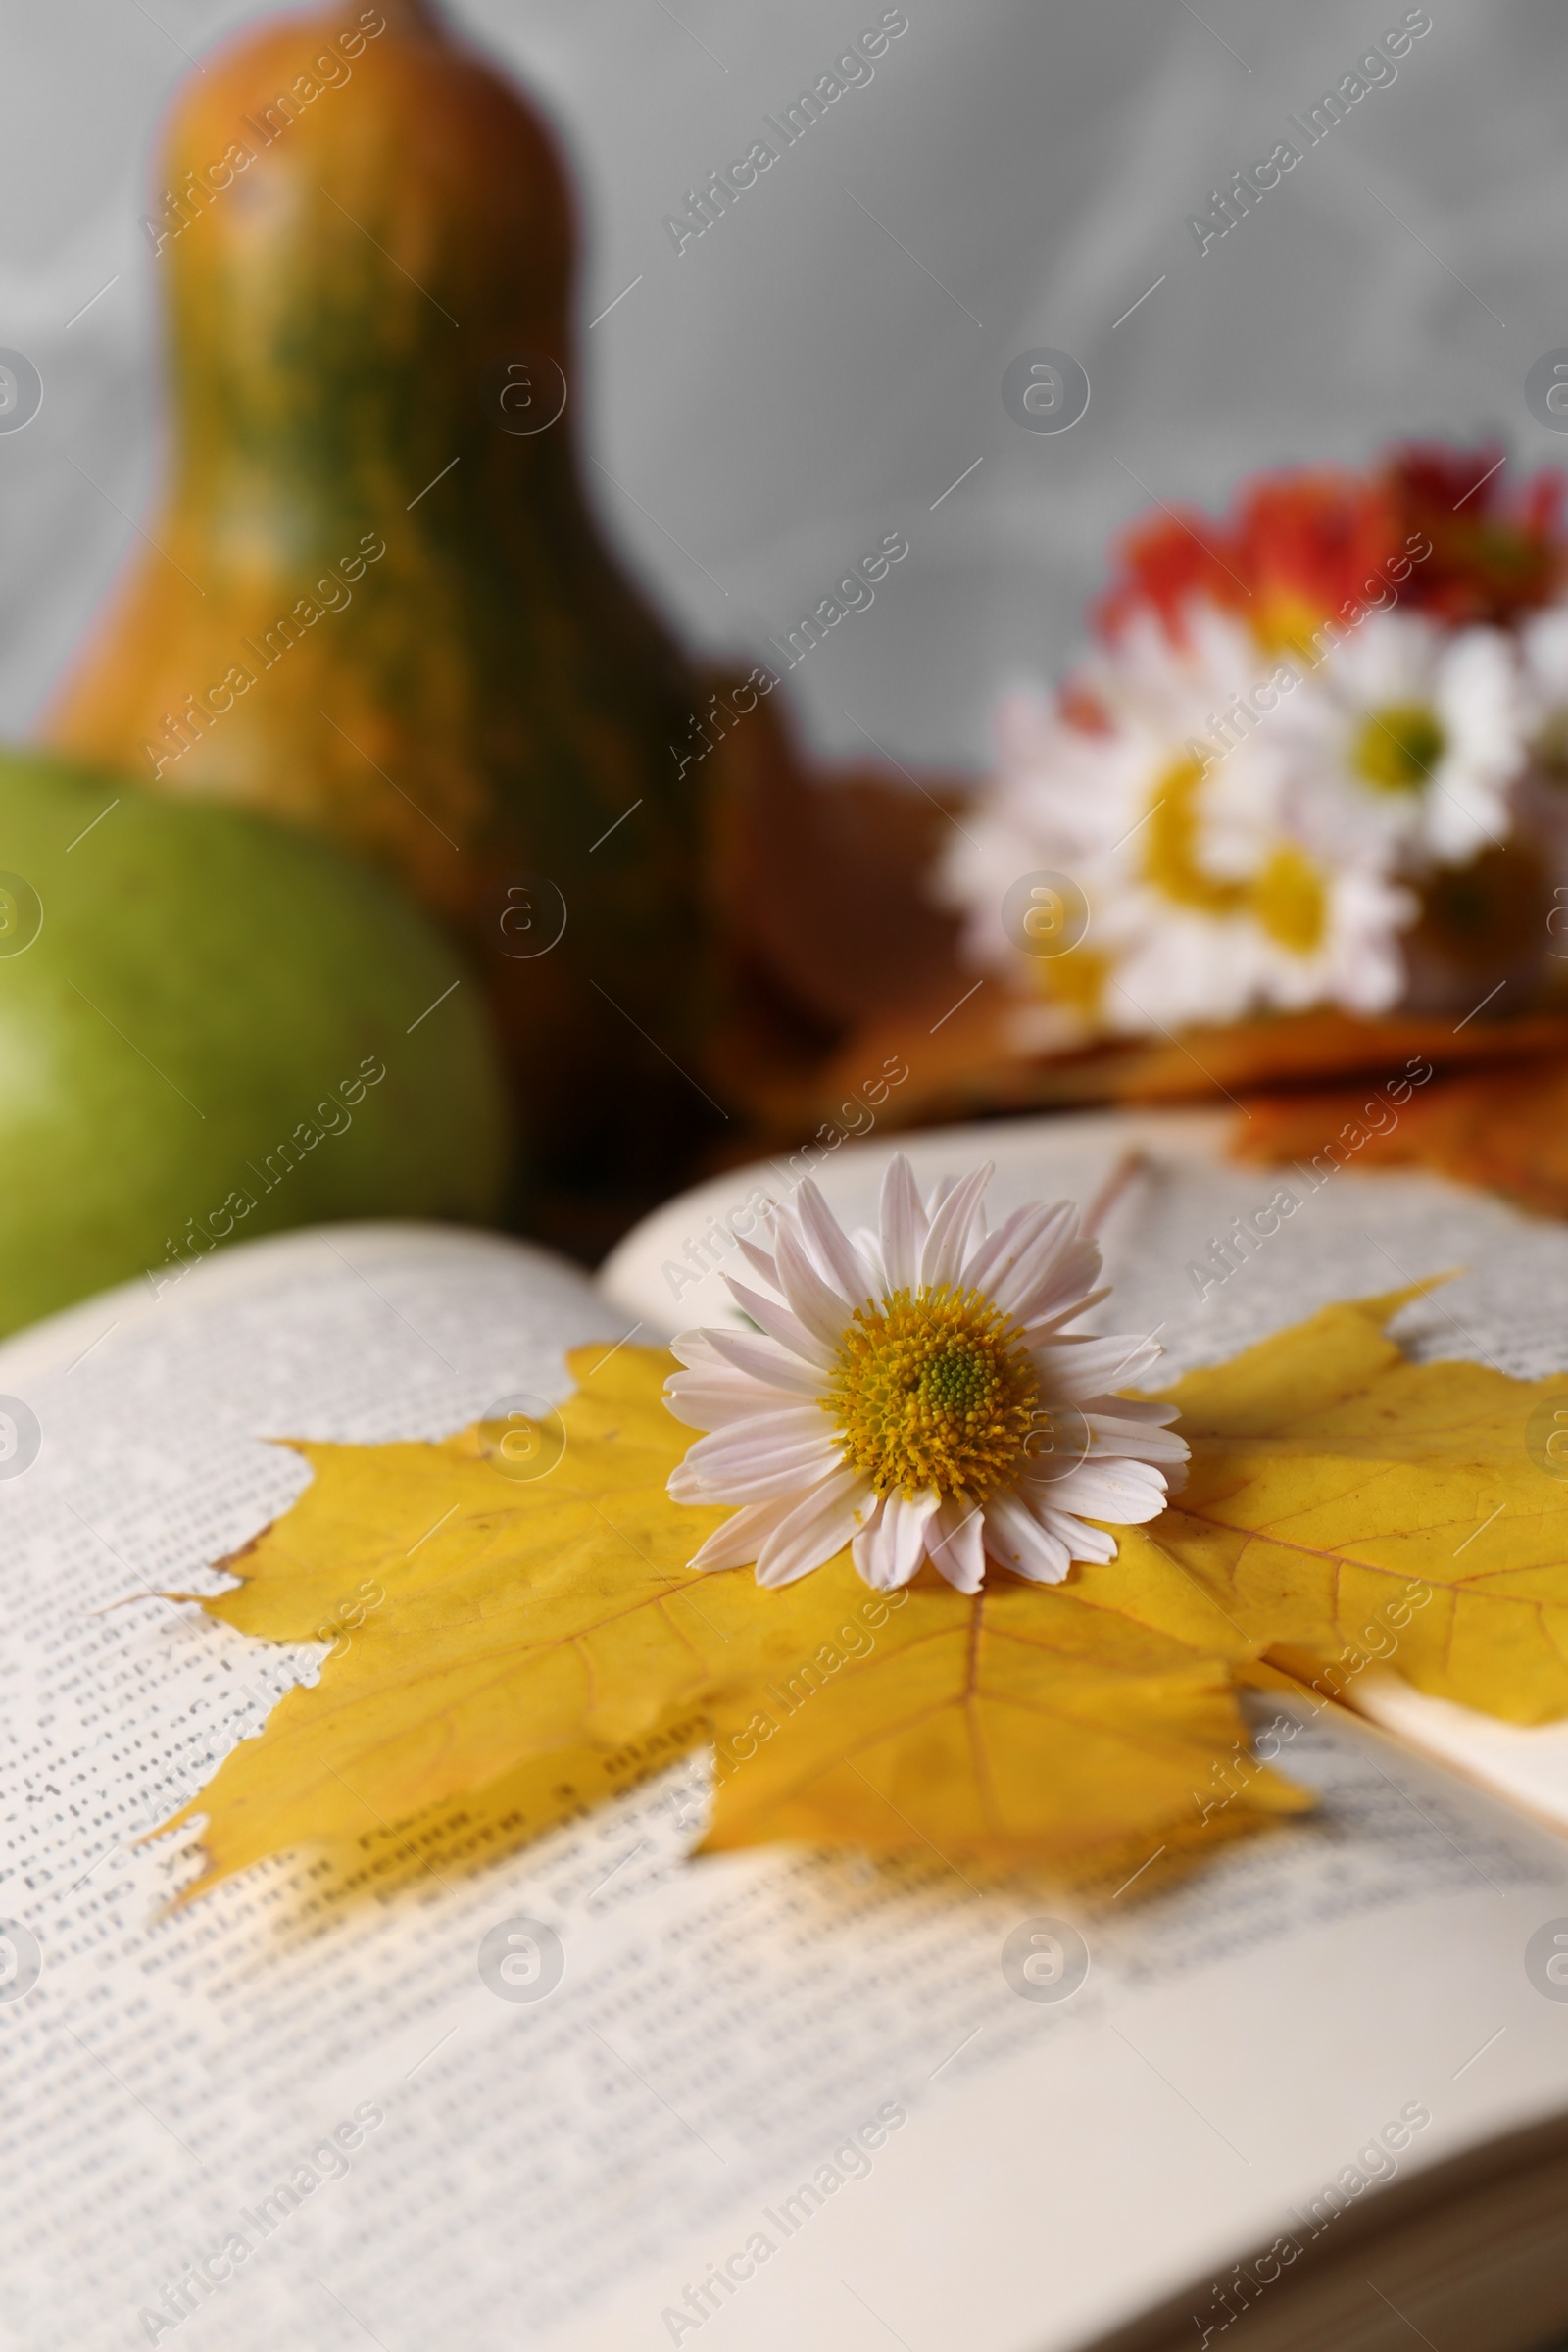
column 1317, row 757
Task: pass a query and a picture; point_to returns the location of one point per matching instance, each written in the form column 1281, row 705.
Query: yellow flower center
column 1077, row 981
column 1288, row 623
column 1287, row 898
column 1398, row 747
column 1170, row 847
column 1289, row 901
column 935, row 1388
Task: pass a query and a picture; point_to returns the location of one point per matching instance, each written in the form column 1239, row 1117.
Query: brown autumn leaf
column 989, row 1053
column 1505, row 1128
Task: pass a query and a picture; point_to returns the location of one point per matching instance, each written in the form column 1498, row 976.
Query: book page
column 767, row 2099
column 1350, row 1235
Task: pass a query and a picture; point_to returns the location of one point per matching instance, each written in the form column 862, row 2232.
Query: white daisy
column 1408, row 735
column 1175, row 814
column 918, row 1394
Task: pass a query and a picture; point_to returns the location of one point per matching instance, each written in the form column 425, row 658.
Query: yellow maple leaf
column 1014, row 1724
column 511, row 1650
column 1349, row 1509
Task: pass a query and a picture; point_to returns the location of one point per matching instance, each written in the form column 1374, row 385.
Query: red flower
column 1495, row 552
column 1308, row 544
column 1311, row 544
column 1168, row 561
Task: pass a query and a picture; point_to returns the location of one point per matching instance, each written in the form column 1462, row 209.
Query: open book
column 1315, row 2095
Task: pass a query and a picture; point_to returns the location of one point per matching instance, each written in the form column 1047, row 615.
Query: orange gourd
column 376, row 601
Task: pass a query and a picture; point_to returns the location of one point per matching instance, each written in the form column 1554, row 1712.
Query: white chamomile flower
column 1410, row 735
column 916, row 1393
column 1172, row 809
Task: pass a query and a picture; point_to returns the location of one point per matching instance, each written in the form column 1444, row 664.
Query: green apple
column 212, row 1026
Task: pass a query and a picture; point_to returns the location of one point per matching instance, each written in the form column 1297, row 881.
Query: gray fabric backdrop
column 817, row 370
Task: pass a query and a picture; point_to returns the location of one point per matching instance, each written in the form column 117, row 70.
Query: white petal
column 780, row 1324
column 948, row 1244
column 738, row 1541
column 824, row 1312
column 890, row 1544
column 1071, row 1369
column 760, row 1262
column 733, row 1458
column 1140, row 1412
column 777, row 1453
column 714, row 1399
column 818, row 1525
column 1064, row 1288
column 765, row 1361
column 756, row 1482
column 872, row 1557
column 903, row 1225
column 869, row 1249
column 1084, row 1542
column 1004, row 1246
column 1111, row 1433
column 836, row 1253
column 910, row 1516
column 788, row 1423
column 1060, row 1266
column 1124, row 1492
column 1045, row 1320
column 954, row 1541
column 1016, row 1536
column 696, row 1349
